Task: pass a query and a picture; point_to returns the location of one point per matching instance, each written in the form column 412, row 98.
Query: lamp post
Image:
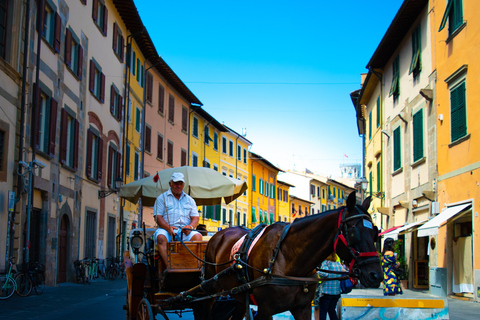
column 364, row 183
column 106, row 193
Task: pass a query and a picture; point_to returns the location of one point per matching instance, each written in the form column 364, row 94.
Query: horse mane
column 308, row 219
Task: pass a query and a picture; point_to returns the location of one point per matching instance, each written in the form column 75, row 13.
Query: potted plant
column 402, row 277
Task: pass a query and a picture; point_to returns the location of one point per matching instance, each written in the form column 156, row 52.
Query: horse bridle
column 371, row 256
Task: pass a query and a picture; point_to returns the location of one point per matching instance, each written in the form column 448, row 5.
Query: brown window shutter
column 170, row 153
column 63, row 136
column 161, row 98
column 89, row 152
column 184, row 158
column 148, row 138
column 58, row 32
column 120, row 107
column 114, row 45
column 75, row 147
column 105, row 20
column 112, row 99
column 102, row 87
column 95, row 10
column 68, row 47
column 92, row 77
column 41, row 22
column 122, row 48
column 184, row 119
column 100, row 158
column 80, row 61
column 118, row 172
column 160, row 147
column 149, row 87
column 171, row 108
column 110, row 162
column 37, row 108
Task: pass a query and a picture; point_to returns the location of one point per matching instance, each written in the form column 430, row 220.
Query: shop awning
column 430, row 228
column 388, row 231
column 409, row 227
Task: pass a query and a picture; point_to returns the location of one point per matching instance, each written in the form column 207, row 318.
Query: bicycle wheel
column 112, row 274
column 39, row 283
column 24, row 285
column 7, row 287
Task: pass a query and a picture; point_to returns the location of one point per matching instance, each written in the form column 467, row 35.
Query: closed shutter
column 89, row 153
column 105, row 20
column 102, row 87
column 75, row 142
column 58, row 33
column 160, row 147
column 458, row 112
column 91, row 85
column 68, row 48
column 111, row 151
column 114, row 44
column 80, row 62
column 37, row 107
column 53, row 127
column 100, row 159
column 171, row 108
column 148, row 138
column 418, row 136
column 95, row 10
column 397, row 161
column 184, row 119
column 161, row 99
column 63, row 136
column 112, row 100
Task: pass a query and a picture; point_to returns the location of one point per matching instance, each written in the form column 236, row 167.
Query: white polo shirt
column 179, row 211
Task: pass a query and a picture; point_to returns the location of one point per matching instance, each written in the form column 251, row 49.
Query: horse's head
column 355, row 242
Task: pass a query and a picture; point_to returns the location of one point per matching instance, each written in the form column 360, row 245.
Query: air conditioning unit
column 435, row 208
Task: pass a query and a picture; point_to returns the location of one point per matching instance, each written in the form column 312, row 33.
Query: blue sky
column 281, row 70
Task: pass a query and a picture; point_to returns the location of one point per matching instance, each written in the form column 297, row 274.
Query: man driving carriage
column 176, row 215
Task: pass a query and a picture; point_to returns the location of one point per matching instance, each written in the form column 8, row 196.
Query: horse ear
column 351, row 201
column 366, row 203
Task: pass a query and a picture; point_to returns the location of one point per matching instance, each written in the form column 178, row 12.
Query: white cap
column 177, row 176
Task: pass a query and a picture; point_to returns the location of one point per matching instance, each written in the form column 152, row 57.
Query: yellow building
column 263, row 190
column 299, row 207
column 284, row 213
column 455, row 35
column 205, row 151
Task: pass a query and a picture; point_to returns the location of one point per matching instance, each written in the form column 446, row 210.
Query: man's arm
column 164, row 225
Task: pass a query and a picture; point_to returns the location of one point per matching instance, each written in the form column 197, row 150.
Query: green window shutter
column 370, row 184
column 379, row 114
column 379, row 187
column 137, row 120
column 458, row 112
column 418, row 135
column 260, row 183
column 272, row 191
column 254, row 217
column 271, row 218
column 127, row 160
column 217, row 212
column 397, row 160
column 208, row 212
column 266, row 188
column 370, row 125
column 395, row 88
column 415, row 64
column 254, row 183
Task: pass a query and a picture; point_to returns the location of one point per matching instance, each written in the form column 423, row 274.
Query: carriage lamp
column 136, row 242
column 364, row 184
column 106, row 193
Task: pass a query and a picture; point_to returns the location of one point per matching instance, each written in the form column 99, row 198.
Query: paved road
column 104, row 299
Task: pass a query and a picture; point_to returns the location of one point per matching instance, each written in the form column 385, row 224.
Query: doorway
column 462, row 249
column 420, row 263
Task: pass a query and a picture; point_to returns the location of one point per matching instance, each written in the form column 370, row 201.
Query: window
column 169, row 152
column 51, row 27
column 206, row 134
column 224, row 216
column 159, row 147
column 127, row 159
column 73, row 53
column 100, row 16
column 118, row 42
column 212, row 212
column 224, row 145
column 138, row 118
column 94, row 155
column 458, row 111
column 97, row 81
column 244, row 219
column 254, row 183
column 416, row 64
column 238, row 218
column 114, row 168
column 195, row 127
column 215, row 167
column 395, row 87
column 136, row 169
column 184, row 119
column 230, row 216
column 397, row 160
column 194, row 160
column 69, row 140
column 418, row 135
column 318, row 192
column 254, row 217
column 454, row 14
column 45, row 121
column 312, row 190
column 183, row 157
column 245, row 156
column 266, row 188
column 90, row 234
column 116, row 103
column 260, row 183
column 370, row 125
column 161, row 98
column 379, row 112
column 279, row 191
column 272, row 191
column 149, row 88
column 239, row 153
column 215, row 141
column 139, row 65
column 379, row 187
column 133, row 60
column 230, row 146
column 171, row 108
column 148, row 139
column 4, row 17
column 4, row 129
column 206, row 163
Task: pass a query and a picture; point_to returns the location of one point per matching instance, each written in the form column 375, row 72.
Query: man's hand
column 187, row 229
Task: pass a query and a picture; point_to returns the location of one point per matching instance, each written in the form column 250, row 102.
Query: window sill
column 419, row 162
column 74, row 74
column 159, row 159
column 457, row 31
column 398, row 171
column 458, row 141
column 68, row 168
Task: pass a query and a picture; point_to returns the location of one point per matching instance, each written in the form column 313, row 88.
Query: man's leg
column 162, row 247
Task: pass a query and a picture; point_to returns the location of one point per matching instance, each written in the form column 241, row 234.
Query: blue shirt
column 177, row 212
column 331, row 287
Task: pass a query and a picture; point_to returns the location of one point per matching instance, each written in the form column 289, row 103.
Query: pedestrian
column 176, row 214
column 391, row 285
column 328, row 292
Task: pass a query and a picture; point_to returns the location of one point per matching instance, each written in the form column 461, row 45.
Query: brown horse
column 308, row 242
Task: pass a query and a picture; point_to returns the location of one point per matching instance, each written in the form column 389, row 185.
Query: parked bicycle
column 33, row 278
column 7, row 283
column 80, row 274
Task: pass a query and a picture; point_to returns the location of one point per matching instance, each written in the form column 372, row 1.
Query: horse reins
column 354, row 253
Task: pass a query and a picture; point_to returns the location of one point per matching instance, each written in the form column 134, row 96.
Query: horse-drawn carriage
column 271, row 266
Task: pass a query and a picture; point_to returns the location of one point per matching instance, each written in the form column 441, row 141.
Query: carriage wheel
column 144, row 311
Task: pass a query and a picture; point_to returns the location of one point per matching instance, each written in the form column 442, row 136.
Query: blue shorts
column 178, row 236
